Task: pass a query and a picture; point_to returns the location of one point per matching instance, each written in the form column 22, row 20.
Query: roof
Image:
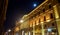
column 34, row 11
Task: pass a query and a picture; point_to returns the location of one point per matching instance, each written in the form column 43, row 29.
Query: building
column 20, row 26
column 3, row 8
column 43, row 20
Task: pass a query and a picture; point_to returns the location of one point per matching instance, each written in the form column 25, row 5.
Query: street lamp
column 9, row 30
column 21, row 21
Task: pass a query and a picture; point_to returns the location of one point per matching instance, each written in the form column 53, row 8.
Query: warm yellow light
column 53, row 33
column 37, row 24
column 37, row 31
column 17, row 29
column 21, row 21
column 42, row 22
column 33, row 23
column 48, row 21
column 30, row 25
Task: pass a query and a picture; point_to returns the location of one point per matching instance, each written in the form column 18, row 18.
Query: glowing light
column 49, row 30
column 9, row 30
column 37, row 24
column 42, row 22
column 21, row 21
column 17, row 29
column 48, row 21
column 33, row 23
column 53, row 33
column 35, row 5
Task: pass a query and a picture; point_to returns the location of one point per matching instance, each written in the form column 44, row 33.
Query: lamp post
column 9, row 31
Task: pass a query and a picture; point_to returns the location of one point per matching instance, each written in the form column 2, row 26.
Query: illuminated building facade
column 43, row 20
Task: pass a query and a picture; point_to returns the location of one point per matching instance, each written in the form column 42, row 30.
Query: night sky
column 16, row 9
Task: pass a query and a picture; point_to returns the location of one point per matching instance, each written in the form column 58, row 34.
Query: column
column 33, row 30
column 57, row 16
column 42, row 25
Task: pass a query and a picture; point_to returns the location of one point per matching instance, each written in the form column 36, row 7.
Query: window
column 44, row 18
column 53, row 24
column 38, row 13
column 35, row 22
column 51, row 15
column 50, row 6
column 34, row 15
column 43, row 10
column 53, row 30
column 45, row 26
column 39, row 20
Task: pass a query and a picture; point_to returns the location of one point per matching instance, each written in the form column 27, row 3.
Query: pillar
column 56, row 9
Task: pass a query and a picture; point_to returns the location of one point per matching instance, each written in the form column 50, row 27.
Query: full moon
column 35, row 5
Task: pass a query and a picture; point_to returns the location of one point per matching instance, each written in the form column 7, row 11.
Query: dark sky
column 17, row 8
